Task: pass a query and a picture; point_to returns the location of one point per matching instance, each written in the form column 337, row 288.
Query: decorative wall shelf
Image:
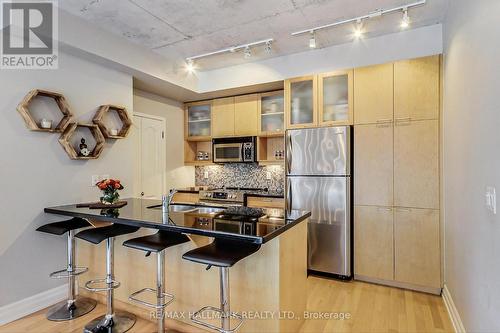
column 65, row 141
column 23, row 109
column 122, row 113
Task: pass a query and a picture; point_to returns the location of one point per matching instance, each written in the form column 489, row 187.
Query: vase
column 110, row 197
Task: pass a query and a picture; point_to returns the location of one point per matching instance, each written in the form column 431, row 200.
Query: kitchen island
column 267, row 288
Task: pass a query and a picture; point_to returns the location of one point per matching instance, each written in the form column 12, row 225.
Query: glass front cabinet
column 319, row 100
column 271, row 114
column 198, row 122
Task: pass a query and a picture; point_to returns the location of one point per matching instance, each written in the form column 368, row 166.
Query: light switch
column 205, row 174
column 491, row 199
column 268, row 175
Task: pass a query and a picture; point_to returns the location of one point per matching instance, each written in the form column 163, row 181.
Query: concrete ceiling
column 178, row 29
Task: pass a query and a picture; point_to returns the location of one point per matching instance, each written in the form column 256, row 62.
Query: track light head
column 247, row 52
column 312, row 40
column 405, row 22
column 190, row 66
column 268, row 48
column 358, row 31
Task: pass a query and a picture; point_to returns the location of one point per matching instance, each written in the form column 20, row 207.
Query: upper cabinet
column 417, row 89
column 374, row 94
column 246, row 109
column 198, row 121
column 301, row 102
column 271, row 114
column 223, row 117
column 335, row 98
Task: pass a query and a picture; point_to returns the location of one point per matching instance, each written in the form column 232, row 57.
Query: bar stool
column 110, row 322
column 223, row 254
column 156, row 243
column 72, row 307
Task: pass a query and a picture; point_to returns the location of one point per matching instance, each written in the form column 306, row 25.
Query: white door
column 151, row 154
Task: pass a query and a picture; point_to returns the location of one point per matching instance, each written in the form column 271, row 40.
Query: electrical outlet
column 205, row 175
column 268, row 175
column 95, row 179
column 491, row 199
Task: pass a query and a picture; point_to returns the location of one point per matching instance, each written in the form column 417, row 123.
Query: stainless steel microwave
column 234, row 150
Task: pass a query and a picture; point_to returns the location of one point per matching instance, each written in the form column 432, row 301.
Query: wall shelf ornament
column 31, row 124
column 66, row 137
column 124, row 118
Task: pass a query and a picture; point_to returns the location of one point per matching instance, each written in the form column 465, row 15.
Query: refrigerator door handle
column 288, row 153
column 288, row 204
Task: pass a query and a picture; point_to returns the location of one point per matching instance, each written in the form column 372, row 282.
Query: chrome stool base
column 120, row 322
column 229, row 316
column 66, row 311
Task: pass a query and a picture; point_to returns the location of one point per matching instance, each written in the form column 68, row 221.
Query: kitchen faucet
column 166, row 200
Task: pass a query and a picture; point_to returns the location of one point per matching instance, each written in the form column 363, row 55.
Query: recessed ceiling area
column 181, row 29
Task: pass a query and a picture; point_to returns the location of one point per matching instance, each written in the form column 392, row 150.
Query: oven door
column 228, row 152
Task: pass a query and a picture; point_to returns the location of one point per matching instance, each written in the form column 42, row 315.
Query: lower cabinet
column 373, row 242
column 400, row 246
column 417, row 246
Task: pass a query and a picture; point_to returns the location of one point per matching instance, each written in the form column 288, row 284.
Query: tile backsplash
column 242, row 175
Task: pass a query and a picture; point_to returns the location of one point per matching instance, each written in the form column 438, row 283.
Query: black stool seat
column 156, row 242
column 97, row 235
column 59, row 228
column 221, row 253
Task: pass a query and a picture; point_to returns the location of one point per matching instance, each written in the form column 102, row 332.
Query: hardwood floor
column 364, row 307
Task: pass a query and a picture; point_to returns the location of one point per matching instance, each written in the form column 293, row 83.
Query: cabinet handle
column 403, row 120
column 384, row 209
column 403, row 209
column 384, row 122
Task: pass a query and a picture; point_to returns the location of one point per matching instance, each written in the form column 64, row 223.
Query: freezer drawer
column 329, row 248
column 318, row 151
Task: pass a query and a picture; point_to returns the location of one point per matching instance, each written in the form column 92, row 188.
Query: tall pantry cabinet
column 396, row 170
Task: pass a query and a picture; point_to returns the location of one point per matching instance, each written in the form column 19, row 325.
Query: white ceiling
column 178, row 29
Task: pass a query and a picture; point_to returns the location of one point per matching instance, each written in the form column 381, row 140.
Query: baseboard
column 32, row 304
column 396, row 284
column 452, row 311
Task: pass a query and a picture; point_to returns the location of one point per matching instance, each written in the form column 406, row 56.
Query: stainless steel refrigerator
column 318, row 179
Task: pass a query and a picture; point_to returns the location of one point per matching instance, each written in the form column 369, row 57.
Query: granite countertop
column 147, row 213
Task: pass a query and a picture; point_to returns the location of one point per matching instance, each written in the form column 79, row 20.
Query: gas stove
column 228, row 196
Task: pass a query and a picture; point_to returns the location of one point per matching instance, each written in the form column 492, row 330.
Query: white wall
column 402, row 45
column 36, row 172
column 177, row 175
column 472, row 160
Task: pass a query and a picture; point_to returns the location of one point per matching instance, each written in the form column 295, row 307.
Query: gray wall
column 472, row 160
column 36, row 172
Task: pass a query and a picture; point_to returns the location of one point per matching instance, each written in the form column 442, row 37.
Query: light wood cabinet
column 223, row 117
column 373, row 242
column 417, row 250
column 185, row 197
column 246, row 109
column 301, row 102
column 198, row 116
column 265, row 202
column 373, row 165
column 416, row 164
column 417, row 88
column 335, row 98
column 271, row 114
column 374, row 94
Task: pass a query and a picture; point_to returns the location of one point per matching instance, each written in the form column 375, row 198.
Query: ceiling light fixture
column 358, row 31
column 268, row 48
column 371, row 15
column 190, row 67
column 234, row 49
column 405, row 22
column 312, row 40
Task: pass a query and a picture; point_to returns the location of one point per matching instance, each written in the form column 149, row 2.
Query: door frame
column 164, row 145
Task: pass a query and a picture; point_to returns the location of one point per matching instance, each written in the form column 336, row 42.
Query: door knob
column 142, row 194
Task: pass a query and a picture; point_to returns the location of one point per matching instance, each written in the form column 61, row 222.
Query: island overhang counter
column 268, row 288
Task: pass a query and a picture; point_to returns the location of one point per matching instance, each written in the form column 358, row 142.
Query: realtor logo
column 29, row 35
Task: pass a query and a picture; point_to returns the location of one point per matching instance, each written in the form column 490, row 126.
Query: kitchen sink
column 176, row 208
column 209, row 210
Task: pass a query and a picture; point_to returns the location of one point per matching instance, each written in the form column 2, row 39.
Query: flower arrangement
column 110, row 188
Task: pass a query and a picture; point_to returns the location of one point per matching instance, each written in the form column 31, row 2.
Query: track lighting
column 247, row 52
column 312, row 40
column 268, row 48
column 358, row 31
column 190, row 67
column 405, row 22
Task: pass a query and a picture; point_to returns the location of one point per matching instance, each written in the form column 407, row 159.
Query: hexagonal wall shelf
column 65, row 141
column 23, row 109
column 122, row 113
